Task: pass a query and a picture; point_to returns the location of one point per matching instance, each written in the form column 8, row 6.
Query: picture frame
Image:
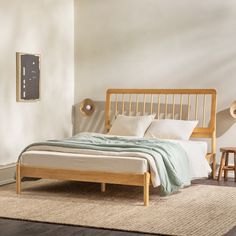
column 27, row 77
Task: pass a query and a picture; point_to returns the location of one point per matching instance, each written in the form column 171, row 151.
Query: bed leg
column 18, row 179
column 146, row 183
column 103, row 187
column 214, row 166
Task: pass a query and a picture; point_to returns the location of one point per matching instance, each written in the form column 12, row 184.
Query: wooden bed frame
column 152, row 99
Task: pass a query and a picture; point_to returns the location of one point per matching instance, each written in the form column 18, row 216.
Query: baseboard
column 7, row 174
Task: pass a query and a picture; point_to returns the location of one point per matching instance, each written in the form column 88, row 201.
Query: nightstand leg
column 146, row 183
column 226, row 164
column 214, row 167
column 18, row 179
column 235, row 167
column 222, row 163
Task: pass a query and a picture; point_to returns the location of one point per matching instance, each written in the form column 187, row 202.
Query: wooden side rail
column 85, row 176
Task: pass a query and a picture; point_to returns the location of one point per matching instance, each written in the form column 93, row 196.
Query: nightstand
column 224, row 163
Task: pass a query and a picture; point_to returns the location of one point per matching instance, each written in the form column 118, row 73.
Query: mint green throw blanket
column 170, row 159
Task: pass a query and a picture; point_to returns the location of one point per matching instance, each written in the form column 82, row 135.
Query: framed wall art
column 27, row 77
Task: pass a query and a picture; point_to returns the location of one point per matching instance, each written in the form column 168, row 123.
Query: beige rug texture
column 196, row 210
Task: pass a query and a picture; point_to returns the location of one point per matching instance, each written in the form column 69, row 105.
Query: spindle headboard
column 186, row 104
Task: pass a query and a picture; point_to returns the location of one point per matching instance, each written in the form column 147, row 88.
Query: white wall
column 45, row 27
column 157, row 44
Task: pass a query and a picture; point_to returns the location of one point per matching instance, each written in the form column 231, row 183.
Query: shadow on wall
column 224, row 121
column 95, row 122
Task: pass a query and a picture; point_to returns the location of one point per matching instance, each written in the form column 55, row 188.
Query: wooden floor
column 230, row 182
column 10, row 227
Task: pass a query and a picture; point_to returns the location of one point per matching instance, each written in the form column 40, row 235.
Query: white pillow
column 131, row 125
column 171, row 129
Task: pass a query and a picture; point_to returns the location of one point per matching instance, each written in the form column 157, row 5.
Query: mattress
column 125, row 162
column 85, row 162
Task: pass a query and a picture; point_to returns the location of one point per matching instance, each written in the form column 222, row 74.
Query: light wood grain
column 173, row 108
column 166, row 105
column 159, row 106
column 204, row 111
column 196, row 107
column 181, row 107
column 137, row 103
column 123, row 104
column 18, row 179
column 161, row 91
column 146, row 183
column 86, row 176
column 144, row 104
column 133, row 179
column 130, row 104
column 151, row 105
column 199, row 132
column 188, row 106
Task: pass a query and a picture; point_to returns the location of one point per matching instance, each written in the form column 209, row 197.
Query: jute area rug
column 196, row 210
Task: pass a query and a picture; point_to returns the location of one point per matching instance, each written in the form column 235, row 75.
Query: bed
column 106, row 166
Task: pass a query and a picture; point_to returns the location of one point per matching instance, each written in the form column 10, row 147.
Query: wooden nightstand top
column 228, row 149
